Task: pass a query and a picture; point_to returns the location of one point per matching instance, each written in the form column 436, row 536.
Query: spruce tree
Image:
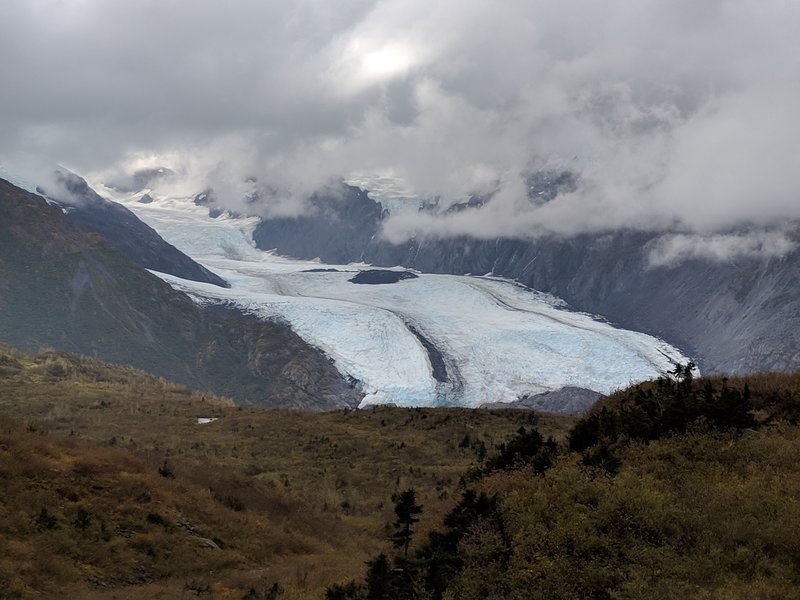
column 406, row 509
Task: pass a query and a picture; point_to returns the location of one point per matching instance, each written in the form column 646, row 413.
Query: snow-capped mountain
column 423, row 341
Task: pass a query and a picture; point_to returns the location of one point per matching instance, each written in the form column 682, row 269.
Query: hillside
column 136, row 493
column 679, row 488
column 295, row 498
column 64, row 288
column 702, row 516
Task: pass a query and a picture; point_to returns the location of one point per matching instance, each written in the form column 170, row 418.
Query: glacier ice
column 498, row 340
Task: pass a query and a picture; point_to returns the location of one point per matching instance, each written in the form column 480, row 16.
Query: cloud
column 675, row 115
column 671, row 250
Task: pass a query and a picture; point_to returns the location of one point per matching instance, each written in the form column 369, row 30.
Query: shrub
column 528, row 447
column 45, row 520
column 671, row 405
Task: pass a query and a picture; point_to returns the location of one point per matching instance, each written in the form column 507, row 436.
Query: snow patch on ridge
column 13, row 176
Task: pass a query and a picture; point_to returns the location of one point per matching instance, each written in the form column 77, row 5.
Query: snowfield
column 436, row 340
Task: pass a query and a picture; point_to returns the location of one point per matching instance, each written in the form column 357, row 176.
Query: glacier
column 435, row 340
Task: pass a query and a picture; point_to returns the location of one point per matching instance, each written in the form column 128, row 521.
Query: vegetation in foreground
column 681, row 487
column 673, row 489
column 115, row 491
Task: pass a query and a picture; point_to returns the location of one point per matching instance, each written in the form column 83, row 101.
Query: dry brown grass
column 296, row 498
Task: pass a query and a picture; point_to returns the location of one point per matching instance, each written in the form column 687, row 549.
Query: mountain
column 63, row 287
column 737, row 316
column 122, row 229
column 340, row 229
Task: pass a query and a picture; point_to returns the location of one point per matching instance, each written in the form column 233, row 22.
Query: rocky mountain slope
column 62, row 287
column 341, row 229
column 123, row 230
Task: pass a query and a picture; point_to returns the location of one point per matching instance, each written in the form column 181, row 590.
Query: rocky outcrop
column 567, row 400
column 381, row 277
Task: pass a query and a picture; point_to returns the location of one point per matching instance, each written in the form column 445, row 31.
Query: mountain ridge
column 123, row 230
column 64, row 288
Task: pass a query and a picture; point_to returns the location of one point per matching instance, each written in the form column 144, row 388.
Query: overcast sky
column 677, row 113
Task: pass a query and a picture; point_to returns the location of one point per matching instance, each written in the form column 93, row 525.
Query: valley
column 491, row 339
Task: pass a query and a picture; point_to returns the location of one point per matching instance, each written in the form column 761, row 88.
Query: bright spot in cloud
column 363, row 63
column 387, row 62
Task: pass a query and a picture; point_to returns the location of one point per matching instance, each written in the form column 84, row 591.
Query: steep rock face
column 735, row 316
column 338, row 231
column 124, row 231
column 62, row 287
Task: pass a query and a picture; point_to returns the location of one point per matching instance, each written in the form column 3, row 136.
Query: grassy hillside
column 689, row 517
column 657, row 494
column 115, row 491
column 292, row 498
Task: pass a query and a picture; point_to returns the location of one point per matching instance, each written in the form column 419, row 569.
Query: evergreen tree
column 527, row 447
column 406, row 509
column 380, row 579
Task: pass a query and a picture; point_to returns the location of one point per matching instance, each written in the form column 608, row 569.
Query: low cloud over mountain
column 678, row 115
